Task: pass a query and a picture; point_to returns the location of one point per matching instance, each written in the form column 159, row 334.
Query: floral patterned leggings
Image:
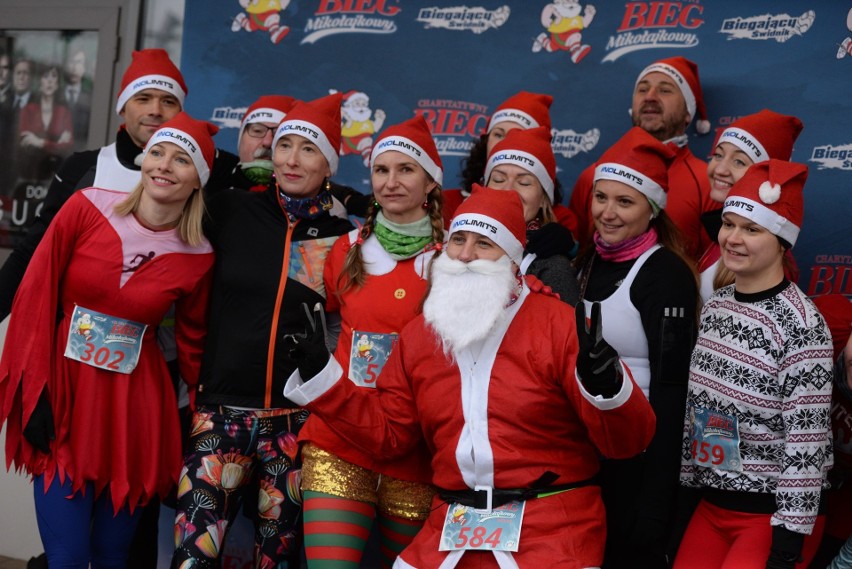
column 228, row 450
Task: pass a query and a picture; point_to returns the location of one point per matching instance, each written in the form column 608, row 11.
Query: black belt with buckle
column 487, row 498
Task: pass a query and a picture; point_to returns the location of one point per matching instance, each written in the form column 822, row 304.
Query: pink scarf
column 628, row 249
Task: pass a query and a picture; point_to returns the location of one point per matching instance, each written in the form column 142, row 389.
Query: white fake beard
column 467, row 299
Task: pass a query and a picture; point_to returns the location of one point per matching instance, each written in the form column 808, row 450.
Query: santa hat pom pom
column 702, row 126
column 769, row 192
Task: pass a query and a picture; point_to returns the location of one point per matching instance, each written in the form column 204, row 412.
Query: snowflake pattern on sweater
column 767, row 360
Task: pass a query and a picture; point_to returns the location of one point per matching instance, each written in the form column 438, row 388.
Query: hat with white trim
column 526, row 109
column 151, row 69
column 267, row 108
column 195, row 137
column 640, row 161
column 319, row 122
column 414, row 139
column 770, row 195
column 685, row 74
column 763, row 135
column 531, row 150
column 496, row 214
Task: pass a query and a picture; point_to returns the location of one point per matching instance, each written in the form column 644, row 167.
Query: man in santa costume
column 515, row 405
column 667, row 97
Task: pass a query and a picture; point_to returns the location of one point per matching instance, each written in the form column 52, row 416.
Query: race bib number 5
column 368, row 355
column 104, row 341
column 714, row 439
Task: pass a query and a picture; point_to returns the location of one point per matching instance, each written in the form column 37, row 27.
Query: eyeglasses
column 259, row 130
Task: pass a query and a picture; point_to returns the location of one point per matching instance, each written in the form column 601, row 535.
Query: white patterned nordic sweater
column 766, row 358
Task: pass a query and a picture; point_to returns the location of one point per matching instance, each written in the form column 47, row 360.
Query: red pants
column 718, row 538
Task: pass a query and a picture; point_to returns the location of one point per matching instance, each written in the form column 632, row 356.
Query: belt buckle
column 478, row 499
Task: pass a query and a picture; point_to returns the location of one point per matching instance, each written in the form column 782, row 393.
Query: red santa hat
column 268, row 108
column 414, row 139
column 319, row 122
column 151, row 69
column 529, row 149
column 195, row 137
column 526, row 109
column 836, row 309
column 770, row 195
column 763, row 135
column 685, row 75
column 640, row 161
column 496, row 214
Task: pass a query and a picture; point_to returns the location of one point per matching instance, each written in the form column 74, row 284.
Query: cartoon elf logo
column 458, row 515
column 357, row 129
column 85, row 326
column 262, row 15
column 364, row 348
column 564, row 25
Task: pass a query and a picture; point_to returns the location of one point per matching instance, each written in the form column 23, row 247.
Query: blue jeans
column 81, row 529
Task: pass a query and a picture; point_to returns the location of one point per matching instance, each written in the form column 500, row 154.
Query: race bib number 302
column 104, row 341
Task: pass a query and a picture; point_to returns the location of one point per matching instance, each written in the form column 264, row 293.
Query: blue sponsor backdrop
column 454, row 62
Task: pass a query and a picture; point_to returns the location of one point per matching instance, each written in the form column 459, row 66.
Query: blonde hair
column 190, row 221
column 352, row 273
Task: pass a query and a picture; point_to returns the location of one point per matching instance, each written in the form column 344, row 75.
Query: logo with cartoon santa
column 262, row 16
column 564, row 21
column 845, row 47
column 357, row 127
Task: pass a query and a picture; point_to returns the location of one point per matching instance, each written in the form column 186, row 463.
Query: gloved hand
column 597, row 362
column 39, row 430
column 549, row 240
column 536, row 285
column 786, row 548
column 308, row 350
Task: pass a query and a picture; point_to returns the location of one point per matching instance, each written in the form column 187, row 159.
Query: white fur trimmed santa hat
column 195, row 137
column 685, row 74
column 151, row 69
column 526, row 109
column 414, row 139
column 496, row 214
column 763, row 135
column 531, row 150
column 770, row 195
column 319, row 122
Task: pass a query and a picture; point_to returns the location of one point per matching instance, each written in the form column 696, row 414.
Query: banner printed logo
column 655, row 25
column 262, row 16
column 833, row 157
column 569, row 143
column 564, row 21
column 462, row 18
column 455, row 124
column 351, row 17
column 357, row 128
column 844, row 48
column 831, row 274
column 228, row 117
column 778, row 27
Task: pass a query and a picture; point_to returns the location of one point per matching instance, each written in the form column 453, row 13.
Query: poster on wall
column 455, row 62
column 46, row 80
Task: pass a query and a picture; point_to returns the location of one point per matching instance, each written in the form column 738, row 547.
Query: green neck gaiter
column 403, row 240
